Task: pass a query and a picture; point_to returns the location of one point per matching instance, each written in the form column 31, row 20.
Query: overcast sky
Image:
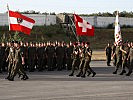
column 69, row 6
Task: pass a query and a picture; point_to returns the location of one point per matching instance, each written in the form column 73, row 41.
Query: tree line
column 107, row 14
column 103, row 14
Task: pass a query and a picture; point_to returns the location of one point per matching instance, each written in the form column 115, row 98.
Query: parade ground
column 57, row 85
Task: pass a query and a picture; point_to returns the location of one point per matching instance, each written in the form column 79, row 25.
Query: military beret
column 88, row 43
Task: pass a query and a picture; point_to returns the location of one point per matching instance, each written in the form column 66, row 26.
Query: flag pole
column 73, row 29
column 8, row 19
column 8, row 15
column 16, row 32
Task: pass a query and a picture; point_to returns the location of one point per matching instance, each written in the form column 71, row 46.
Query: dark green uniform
column 2, row 58
column 108, row 54
column 50, row 51
column 69, row 51
column 17, row 67
column 82, row 61
column 31, row 58
column 60, row 55
column 10, row 59
column 25, row 50
column 131, row 62
column 40, row 52
column 124, row 60
column 118, row 53
column 75, row 62
column 44, row 57
column 114, row 57
column 64, row 56
column 88, row 54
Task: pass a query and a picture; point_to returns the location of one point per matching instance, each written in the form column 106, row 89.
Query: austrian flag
column 83, row 27
column 19, row 22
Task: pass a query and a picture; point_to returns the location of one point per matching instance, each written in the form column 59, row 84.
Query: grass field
column 55, row 32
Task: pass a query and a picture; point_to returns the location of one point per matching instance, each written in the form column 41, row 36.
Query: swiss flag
column 83, row 27
column 19, row 22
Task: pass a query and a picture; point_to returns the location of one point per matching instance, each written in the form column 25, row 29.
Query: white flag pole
column 8, row 16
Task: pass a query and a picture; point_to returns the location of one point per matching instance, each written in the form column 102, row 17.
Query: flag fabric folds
column 83, row 27
column 19, row 22
column 118, row 37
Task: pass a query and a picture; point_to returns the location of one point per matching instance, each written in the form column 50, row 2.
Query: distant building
column 61, row 18
column 98, row 21
column 105, row 21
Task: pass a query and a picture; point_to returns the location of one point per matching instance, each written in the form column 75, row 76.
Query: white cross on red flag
column 83, row 27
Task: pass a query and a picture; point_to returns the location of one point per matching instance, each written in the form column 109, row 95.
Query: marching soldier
column 88, row 55
column 75, row 62
column 82, row 59
column 118, row 53
column 125, row 51
column 18, row 61
column 10, row 59
column 131, row 60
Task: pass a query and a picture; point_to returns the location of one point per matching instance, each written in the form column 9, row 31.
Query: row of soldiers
column 81, row 60
column 122, row 55
column 50, row 56
column 41, row 56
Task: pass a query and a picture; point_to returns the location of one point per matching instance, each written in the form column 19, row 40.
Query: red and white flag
column 83, row 27
column 19, row 22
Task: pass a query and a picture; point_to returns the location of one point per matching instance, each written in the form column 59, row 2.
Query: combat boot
column 71, row 74
column 79, row 74
column 94, row 74
column 89, row 73
column 25, row 77
column 129, row 73
column 11, row 79
column 123, row 71
column 115, row 72
column 83, row 76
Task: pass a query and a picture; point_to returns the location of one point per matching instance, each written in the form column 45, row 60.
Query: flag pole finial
column 7, row 6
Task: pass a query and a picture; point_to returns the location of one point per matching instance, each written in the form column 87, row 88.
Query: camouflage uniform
column 87, row 62
column 18, row 68
column 75, row 62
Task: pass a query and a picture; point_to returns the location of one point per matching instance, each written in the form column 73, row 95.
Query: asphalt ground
column 57, row 85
